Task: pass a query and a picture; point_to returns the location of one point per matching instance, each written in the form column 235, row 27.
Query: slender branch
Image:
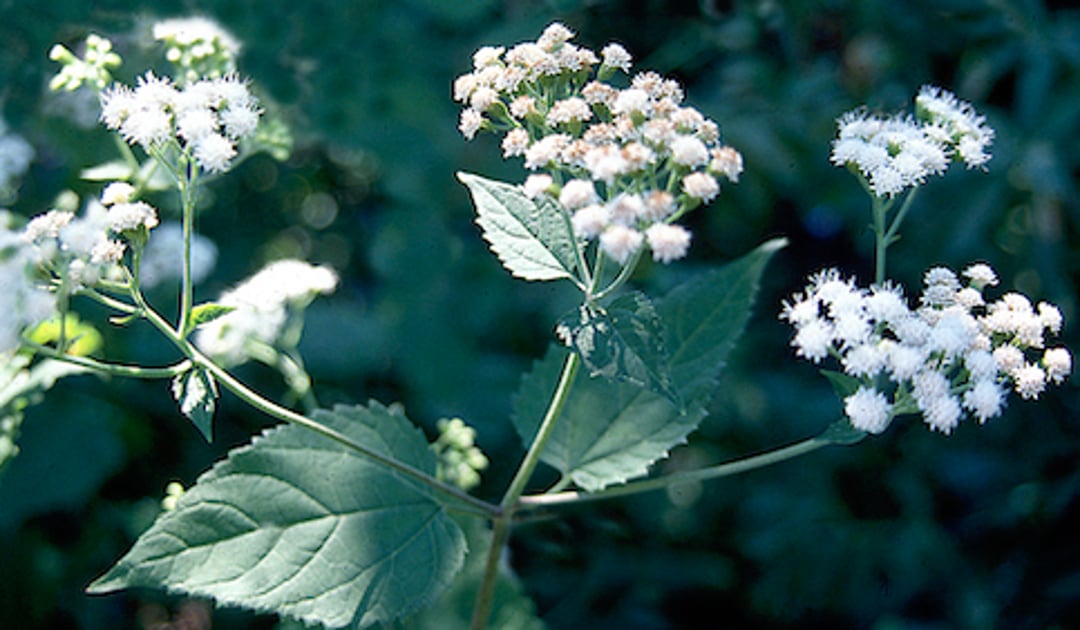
column 501, row 527
column 713, row 472
column 543, row 434
column 187, row 291
column 113, row 369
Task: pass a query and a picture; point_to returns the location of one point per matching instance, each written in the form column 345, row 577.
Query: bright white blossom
column 264, row 305
column 899, row 152
column 948, row 356
column 206, row 118
column 552, row 101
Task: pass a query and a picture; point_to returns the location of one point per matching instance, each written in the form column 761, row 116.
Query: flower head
column 899, row 152
column 644, row 153
column 949, row 356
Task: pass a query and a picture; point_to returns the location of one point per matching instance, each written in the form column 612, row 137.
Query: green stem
column 187, row 291
column 879, row 208
column 501, row 526
column 112, row 369
column 713, row 472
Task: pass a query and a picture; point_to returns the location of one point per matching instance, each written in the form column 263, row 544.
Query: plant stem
column 187, row 291
column 713, row 472
column 112, row 369
column 501, row 526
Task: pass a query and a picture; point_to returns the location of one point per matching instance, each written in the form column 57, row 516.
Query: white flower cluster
column 198, row 45
column 898, row 152
column 22, row 302
column 623, row 163
column 263, row 304
column 78, row 251
column 954, row 353
column 205, row 118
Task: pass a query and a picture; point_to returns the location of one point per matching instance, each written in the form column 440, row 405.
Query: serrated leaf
column 196, row 392
column 612, row 432
column 207, row 312
column 531, row 238
column 511, row 608
column 623, row 342
column 300, row 525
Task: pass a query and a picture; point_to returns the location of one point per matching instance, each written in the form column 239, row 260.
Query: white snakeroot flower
column 620, row 242
column 263, row 304
column 470, row 123
column 488, row 56
column 545, row 151
column 195, row 123
column 865, row 360
column 590, row 221
column 667, row 242
column 117, row 192
column 726, row 161
column 577, row 193
column 985, row 400
column 689, row 151
column 627, row 209
column 1029, row 381
column 515, row 143
column 615, row 56
column 1058, row 364
column 967, row 129
column 131, row 216
column 214, row 152
column 632, row 101
column 537, row 184
column 573, row 109
column 701, row 186
column 106, row 252
column 813, row 340
column 868, row 410
column 981, row 275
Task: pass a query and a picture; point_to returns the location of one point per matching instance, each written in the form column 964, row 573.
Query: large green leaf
column 298, row 524
column 612, row 432
column 532, row 238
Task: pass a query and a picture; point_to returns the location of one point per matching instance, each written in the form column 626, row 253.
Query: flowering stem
column 501, row 526
column 713, row 472
column 187, row 197
column 112, row 369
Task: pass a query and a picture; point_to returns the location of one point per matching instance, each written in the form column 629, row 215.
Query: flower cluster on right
column 898, row 152
column 952, row 355
column 624, row 163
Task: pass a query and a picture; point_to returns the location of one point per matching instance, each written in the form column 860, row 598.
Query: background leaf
column 298, row 524
column 623, row 342
column 531, row 238
column 611, row 432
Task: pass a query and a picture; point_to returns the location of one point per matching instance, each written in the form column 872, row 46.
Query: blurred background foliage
column 910, row 529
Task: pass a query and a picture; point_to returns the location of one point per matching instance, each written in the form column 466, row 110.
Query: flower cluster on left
column 204, row 120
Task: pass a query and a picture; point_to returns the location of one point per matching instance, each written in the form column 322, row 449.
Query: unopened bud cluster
column 623, row 163
column 198, row 46
column 94, row 68
column 459, row 459
column 898, row 152
column 954, row 354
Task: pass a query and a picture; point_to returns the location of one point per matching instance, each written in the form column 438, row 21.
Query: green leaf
column 300, row 525
column 843, row 384
column 623, row 342
column 196, row 391
column 532, row 239
column 841, row 433
column 511, row 609
column 612, row 432
column 208, row 312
